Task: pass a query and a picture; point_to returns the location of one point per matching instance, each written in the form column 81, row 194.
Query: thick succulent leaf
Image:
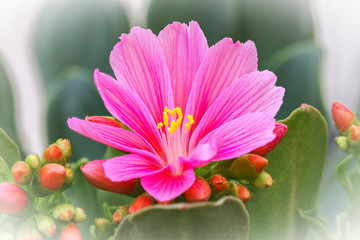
column 5, row 174
column 81, row 32
column 317, row 226
column 296, row 165
column 8, row 149
column 342, row 174
column 224, row 219
column 297, row 68
column 76, row 98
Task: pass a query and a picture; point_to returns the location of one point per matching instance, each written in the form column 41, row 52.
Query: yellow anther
column 191, row 119
column 172, row 127
column 160, row 125
column 165, row 117
column 179, row 112
column 187, row 126
column 178, row 122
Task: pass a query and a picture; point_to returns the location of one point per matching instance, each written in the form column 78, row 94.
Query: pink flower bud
column 94, row 173
column 243, row 193
column 343, row 116
column 198, row 192
column 13, row 199
column 109, row 121
column 21, row 172
column 219, row 183
column 71, row 231
column 52, row 176
column 279, row 131
column 141, row 202
column 355, row 133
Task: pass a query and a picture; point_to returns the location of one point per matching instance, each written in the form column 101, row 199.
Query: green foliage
column 5, row 174
column 296, row 166
column 80, row 32
column 224, row 219
column 9, row 151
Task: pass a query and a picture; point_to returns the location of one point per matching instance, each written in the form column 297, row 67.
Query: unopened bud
column 141, row 202
column 64, row 212
column 28, row 230
column 264, row 180
column 45, row 224
column 13, row 200
column 71, row 231
column 65, row 147
column 248, row 166
column 343, row 116
column 53, row 154
column 355, row 133
column 80, row 215
column 279, row 131
column 243, row 193
column 104, row 120
column 21, row 172
column 219, row 183
column 103, row 228
column 34, row 161
column 120, row 213
column 198, row 192
column 69, row 179
column 342, row 143
column 52, row 176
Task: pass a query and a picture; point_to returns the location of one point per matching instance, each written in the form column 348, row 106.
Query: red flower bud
column 198, row 192
column 53, row 154
column 342, row 116
column 70, row 232
column 120, row 214
column 279, row 131
column 109, row 121
column 65, row 147
column 219, row 183
column 141, row 202
column 258, row 162
column 247, row 166
column 21, row 172
column 94, row 173
column 243, row 193
column 13, row 199
column 355, row 133
column 52, row 176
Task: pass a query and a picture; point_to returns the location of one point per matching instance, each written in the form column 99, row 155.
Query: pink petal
column 224, row 63
column 112, row 136
column 130, row 166
column 203, row 154
column 164, row 186
column 254, row 92
column 242, row 135
column 184, row 49
column 138, row 61
column 127, row 106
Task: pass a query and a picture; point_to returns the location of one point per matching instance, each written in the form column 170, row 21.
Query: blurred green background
column 68, row 39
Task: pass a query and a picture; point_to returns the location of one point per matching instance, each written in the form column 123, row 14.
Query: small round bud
column 243, row 193
column 53, row 154
column 342, row 143
column 13, row 200
column 80, row 215
column 34, row 161
column 342, row 115
column 141, row 202
column 355, row 133
column 198, row 192
column 219, row 183
column 21, row 172
column 103, row 228
column 52, row 176
column 71, row 231
column 120, row 214
column 64, row 212
column 65, row 146
column 247, row 166
column 45, row 224
column 264, row 180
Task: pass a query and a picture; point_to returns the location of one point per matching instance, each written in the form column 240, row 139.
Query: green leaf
column 224, row 219
column 80, row 32
column 8, row 149
column 5, row 174
column 341, row 173
column 112, row 152
column 76, row 98
column 317, row 226
column 296, row 166
column 354, row 180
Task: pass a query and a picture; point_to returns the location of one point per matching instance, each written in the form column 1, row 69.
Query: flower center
column 175, row 124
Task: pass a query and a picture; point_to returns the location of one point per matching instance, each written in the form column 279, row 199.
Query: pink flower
column 186, row 104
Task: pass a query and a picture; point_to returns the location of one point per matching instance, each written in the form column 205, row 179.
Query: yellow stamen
column 191, row 119
column 187, row 126
column 165, row 116
column 160, row 125
column 172, row 127
column 175, row 124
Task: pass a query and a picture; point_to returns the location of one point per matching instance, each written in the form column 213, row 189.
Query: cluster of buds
column 348, row 126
